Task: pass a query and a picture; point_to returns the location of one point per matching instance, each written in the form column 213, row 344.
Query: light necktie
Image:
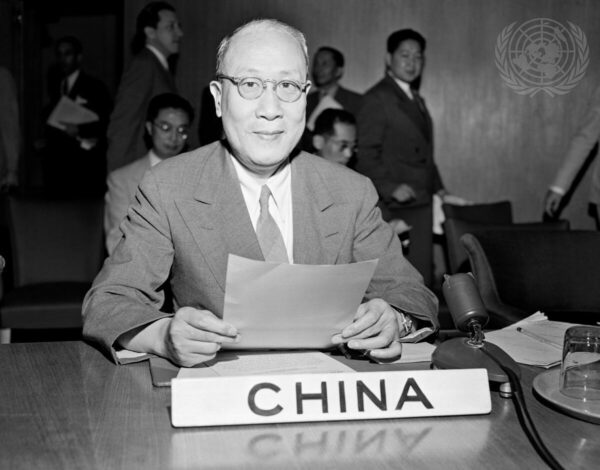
column 267, row 231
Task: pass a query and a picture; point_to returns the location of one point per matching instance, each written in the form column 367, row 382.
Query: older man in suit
column 194, row 210
column 167, row 125
column 157, row 38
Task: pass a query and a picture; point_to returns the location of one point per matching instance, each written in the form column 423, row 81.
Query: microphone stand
column 469, row 314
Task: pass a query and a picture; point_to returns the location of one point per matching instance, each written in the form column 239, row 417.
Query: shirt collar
column 154, row 159
column 72, row 78
column 159, row 55
column 405, row 86
column 331, row 91
column 252, row 185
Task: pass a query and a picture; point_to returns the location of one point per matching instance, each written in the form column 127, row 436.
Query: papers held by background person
column 71, row 112
column 292, row 306
column 533, row 341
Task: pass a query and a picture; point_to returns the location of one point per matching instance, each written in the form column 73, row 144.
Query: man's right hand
column 404, row 193
column 552, row 202
column 194, row 336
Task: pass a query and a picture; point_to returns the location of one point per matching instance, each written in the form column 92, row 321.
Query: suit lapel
column 218, row 218
column 317, row 218
column 411, row 109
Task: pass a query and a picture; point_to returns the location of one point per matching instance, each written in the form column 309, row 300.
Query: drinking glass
column 580, row 367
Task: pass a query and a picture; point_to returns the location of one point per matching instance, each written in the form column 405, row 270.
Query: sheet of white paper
column 230, row 363
column 292, row 306
column 526, row 349
column 67, row 110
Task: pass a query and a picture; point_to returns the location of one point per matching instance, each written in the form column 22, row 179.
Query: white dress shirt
column 280, row 203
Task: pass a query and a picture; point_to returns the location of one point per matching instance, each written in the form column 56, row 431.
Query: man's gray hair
column 263, row 23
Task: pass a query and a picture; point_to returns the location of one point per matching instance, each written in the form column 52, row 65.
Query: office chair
column 519, row 272
column 497, row 213
column 454, row 229
column 57, row 249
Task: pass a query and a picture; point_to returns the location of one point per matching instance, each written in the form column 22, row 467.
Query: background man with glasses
column 192, row 211
column 168, row 122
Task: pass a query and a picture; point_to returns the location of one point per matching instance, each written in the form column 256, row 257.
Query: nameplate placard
column 328, row 397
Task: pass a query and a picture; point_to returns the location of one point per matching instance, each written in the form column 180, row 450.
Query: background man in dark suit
column 327, row 71
column 157, row 38
column 395, row 143
column 193, row 210
column 395, row 131
column 74, row 156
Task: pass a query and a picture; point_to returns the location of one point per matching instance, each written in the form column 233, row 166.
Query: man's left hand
column 374, row 329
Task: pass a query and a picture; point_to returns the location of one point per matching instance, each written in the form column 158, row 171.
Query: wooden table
column 65, row 406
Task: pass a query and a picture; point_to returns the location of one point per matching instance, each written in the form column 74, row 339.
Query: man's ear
column 318, row 141
column 150, row 32
column 388, row 60
column 216, row 91
column 149, row 128
column 339, row 73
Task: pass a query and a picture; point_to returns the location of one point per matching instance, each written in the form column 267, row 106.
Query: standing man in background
column 395, row 144
column 157, row 38
column 579, row 150
column 395, row 130
column 75, row 154
column 327, row 71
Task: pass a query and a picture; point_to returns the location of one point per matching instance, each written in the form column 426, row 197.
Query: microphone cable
column 524, row 418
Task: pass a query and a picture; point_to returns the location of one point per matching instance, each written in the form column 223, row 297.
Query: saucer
column 546, row 386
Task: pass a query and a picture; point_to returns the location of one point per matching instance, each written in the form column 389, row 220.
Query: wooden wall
column 491, row 143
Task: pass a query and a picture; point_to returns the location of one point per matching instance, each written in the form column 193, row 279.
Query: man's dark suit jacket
column 350, row 100
column 395, row 142
column 68, row 167
column 189, row 214
column 144, row 79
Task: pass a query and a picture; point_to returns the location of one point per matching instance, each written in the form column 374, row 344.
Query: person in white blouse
column 578, row 152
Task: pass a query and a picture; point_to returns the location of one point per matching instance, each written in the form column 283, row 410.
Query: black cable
column 523, row 413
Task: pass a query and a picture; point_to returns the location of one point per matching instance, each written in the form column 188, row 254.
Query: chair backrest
column 557, row 272
column 499, row 212
column 55, row 240
column 455, row 229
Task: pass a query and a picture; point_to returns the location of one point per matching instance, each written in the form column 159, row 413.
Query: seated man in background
column 334, row 136
column 168, row 122
column 191, row 212
column 335, row 140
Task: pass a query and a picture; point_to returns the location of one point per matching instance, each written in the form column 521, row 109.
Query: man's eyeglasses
column 165, row 128
column 252, row 88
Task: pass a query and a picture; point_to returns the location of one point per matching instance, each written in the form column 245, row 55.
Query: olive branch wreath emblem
column 520, row 86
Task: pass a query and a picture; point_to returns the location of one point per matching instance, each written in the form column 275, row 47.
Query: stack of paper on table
column 538, row 344
column 230, row 363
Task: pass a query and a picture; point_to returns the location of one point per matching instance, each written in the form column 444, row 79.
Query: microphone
column 469, row 315
column 465, row 304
